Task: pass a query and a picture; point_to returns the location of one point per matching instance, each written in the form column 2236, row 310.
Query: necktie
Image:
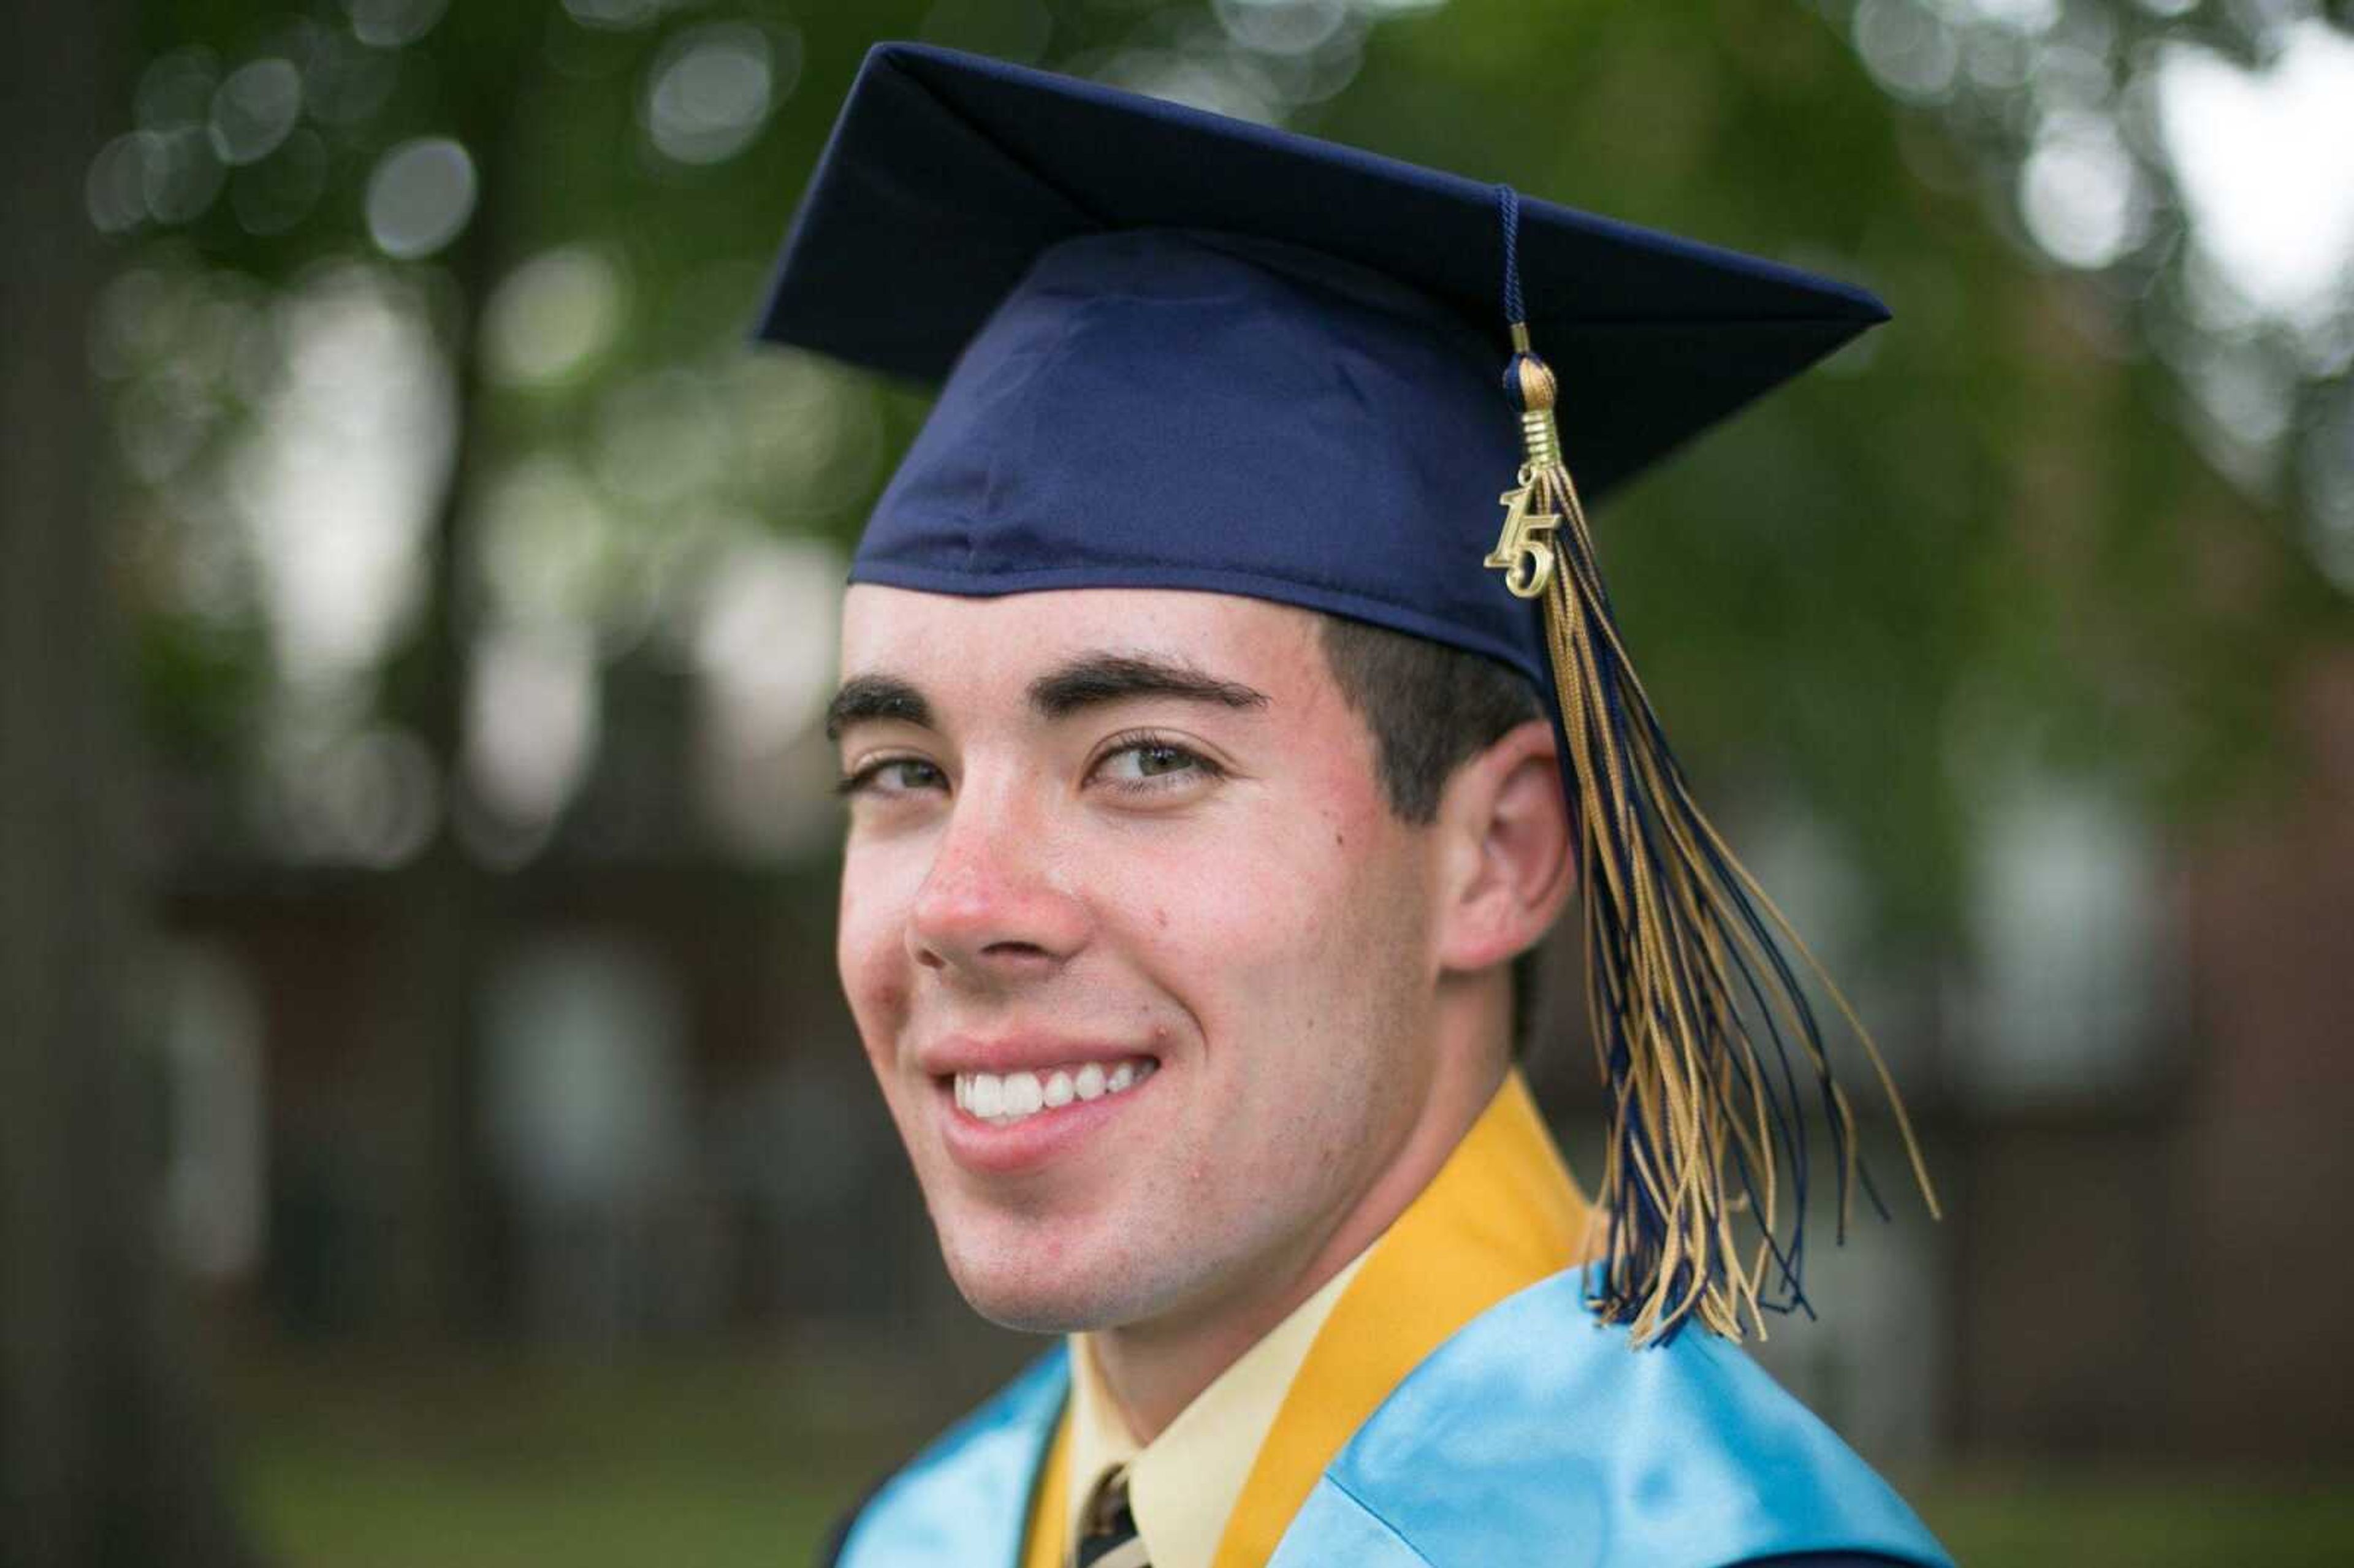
column 1108, row 1537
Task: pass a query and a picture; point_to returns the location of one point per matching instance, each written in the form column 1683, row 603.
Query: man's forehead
column 1016, row 636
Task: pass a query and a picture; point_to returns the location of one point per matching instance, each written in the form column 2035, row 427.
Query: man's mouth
column 1002, row 1099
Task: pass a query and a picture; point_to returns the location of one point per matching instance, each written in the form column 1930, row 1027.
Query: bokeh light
column 2267, row 162
column 810, row 438
column 420, row 196
column 390, row 24
column 179, row 174
column 618, row 15
column 553, row 315
column 255, row 110
column 713, row 87
column 345, row 82
column 176, row 89
column 1282, row 26
column 1907, row 48
column 764, row 647
column 552, row 552
column 368, row 797
column 531, row 726
column 116, row 188
column 339, row 477
column 2080, row 191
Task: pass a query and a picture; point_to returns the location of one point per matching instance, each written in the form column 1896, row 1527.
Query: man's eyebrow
column 1093, row 679
column 867, row 697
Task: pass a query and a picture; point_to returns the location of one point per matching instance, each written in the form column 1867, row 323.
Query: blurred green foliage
column 1974, row 553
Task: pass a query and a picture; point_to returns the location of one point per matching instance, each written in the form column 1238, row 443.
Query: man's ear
column 1508, row 859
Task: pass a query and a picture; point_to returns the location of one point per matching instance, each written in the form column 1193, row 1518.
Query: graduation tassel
column 1694, row 1011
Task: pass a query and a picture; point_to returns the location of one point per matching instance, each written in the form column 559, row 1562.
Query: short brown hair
column 1432, row 708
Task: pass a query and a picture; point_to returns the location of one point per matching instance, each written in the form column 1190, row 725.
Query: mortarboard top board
column 948, row 174
column 1185, row 351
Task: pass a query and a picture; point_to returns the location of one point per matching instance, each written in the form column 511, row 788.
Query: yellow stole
column 1502, row 1213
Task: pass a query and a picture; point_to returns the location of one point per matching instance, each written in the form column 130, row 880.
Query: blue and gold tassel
column 1695, row 1011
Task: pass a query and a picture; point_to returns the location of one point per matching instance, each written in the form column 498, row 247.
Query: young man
column 1211, row 760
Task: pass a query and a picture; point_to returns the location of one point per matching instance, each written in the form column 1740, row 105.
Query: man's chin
column 1022, row 1293
column 1024, row 1317
column 1034, row 1306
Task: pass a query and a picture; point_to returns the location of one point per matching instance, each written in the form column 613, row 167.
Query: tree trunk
column 106, row 1456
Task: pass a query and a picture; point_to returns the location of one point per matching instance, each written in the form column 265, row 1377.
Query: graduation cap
column 1179, row 350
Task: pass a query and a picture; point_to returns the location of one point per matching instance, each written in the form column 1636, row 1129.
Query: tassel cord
column 1675, row 948
column 1682, row 931
column 1614, row 822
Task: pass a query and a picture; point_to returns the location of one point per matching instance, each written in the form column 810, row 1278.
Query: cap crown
column 1154, row 409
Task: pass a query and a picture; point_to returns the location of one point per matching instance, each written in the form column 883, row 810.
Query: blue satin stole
column 1534, row 1436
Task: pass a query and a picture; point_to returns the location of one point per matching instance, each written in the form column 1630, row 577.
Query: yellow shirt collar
column 1502, row 1213
column 1183, row 1484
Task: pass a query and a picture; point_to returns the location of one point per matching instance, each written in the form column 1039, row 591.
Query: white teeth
column 1013, row 1096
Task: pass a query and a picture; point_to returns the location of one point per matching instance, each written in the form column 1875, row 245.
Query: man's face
column 1114, row 836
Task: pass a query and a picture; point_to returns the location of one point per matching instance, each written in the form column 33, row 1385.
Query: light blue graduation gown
column 1533, row 1436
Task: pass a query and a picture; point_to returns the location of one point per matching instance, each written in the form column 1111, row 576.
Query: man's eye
column 893, row 776
column 1150, row 763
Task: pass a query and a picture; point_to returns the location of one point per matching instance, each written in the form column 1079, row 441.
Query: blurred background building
column 475, row 588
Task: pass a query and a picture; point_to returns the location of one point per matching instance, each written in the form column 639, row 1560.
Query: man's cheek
column 1243, row 937
column 874, row 964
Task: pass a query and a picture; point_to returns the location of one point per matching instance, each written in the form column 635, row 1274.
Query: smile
column 1003, row 1099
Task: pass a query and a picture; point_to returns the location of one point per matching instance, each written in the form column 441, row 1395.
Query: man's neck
column 1154, row 1370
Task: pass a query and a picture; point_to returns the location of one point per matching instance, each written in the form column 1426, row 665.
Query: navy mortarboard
column 1179, row 350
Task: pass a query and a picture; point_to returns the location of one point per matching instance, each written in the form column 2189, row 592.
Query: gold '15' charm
column 1522, row 551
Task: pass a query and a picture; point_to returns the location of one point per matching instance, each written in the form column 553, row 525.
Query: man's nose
column 995, row 909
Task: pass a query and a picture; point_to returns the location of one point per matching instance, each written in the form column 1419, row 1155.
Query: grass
column 434, row 1463
column 2095, row 1516
column 737, row 1460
